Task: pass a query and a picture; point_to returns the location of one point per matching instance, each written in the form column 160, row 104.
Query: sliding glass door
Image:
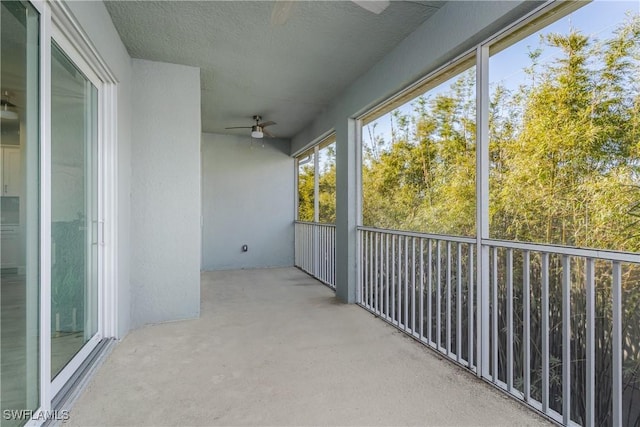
column 74, row 209
column 19, row 208
column 57, row 175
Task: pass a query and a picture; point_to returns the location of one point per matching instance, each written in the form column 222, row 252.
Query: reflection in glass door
column 74, row 251
column 19, row 209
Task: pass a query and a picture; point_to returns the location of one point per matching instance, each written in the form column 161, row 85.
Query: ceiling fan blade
column 265, row 124
column 281, row 12
column 7, row 103
column 375, row 6
column 269, row 134
column 240, row 127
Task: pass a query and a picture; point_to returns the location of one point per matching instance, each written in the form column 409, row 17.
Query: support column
column 482, row 210
column 347, row 209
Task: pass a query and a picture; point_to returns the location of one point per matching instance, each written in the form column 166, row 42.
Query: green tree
column 305, row 192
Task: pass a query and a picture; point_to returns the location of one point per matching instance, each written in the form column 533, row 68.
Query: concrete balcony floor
column 274, row 347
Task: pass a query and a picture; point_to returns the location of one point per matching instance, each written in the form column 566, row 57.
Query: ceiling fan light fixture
column 7, row 114
column 256, row 132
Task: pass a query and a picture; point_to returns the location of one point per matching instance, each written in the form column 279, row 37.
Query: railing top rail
column 319, row 224
column 566, row 250
column 458, row 239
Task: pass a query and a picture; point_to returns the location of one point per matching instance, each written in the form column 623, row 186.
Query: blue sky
column 597, row 19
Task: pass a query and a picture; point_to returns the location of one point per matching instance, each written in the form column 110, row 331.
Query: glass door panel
column 74, row 252
column 19, row 212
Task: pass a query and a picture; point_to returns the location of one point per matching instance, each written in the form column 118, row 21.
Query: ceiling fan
column 257, row 130
column 7, row 108
column 282, row 9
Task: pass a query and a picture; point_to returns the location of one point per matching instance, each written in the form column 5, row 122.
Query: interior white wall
column 165, row 193
column 247, row 198
column 96, row 22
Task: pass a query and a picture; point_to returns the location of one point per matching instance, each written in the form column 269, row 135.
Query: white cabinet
column 11, row 164
column 10, row 241
column 10, row 186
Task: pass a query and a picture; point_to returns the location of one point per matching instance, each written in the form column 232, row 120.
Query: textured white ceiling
column 287, row 73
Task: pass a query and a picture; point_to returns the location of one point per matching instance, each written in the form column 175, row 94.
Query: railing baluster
column 321, row 254
column 566, row 339
column 319, row 245
column 333, row 256
column 590, row 286
column 400, row 281
column 325, row 256
column 361, row 265
column 510, row 320
column 367, row 269
column 421, row 307
column 325, row 251
column 329, row 257
column 406, row 283
column 470, row 300
column 413, row 284
column 323, row 247
column 310, row 250
column 459, row 304
column 371, row 272
column 495, row 316
column 376, row 276
column 616, row 342
column 448, row 319
column 314, row 252
column 393, row 279
column 388, row 292
column 333, row 259
column 545, row 332
column 526, row 323
column 429, row 289
column 381, row 274
column 439, row 295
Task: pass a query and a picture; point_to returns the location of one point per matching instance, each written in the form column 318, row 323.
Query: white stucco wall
column 247, row 198
column 165, row 193
column 96, row 22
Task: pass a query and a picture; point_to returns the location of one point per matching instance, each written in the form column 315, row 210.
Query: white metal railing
column 424, row 285
column 564, row 330
column 315, row 250
column 563, row 324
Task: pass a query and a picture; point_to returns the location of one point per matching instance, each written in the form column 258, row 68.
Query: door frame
column 58, row 23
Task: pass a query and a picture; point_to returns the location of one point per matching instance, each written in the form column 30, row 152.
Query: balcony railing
column 564, row 330
column 315, row 250
column 424, row 285
column 556, row 327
